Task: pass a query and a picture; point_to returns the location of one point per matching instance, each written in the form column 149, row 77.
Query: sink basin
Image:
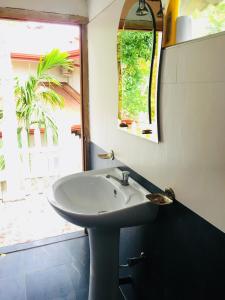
column 89, row 199
column 102, row 205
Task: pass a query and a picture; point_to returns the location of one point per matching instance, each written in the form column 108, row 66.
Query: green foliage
column 2, row 162
column 55, row 58
column 134, row 56
column 216, row 17
column 35, row 99
column 215, row 14
column 212, row 11
column 2, row 159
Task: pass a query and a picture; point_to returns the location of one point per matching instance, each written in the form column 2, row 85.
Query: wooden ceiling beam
column 41, row 16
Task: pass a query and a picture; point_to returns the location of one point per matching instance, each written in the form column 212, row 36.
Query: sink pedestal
column 95, row 200
column 104, row 264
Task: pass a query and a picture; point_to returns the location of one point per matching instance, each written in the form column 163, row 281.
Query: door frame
column 67, row 19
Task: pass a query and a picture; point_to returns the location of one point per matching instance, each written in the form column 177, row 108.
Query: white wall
column 74, row 79
column 96, row 6
column 73, row 7
column 23, row 69
column 191, row 155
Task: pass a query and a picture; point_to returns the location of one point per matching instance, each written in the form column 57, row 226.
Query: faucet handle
column 125, row 175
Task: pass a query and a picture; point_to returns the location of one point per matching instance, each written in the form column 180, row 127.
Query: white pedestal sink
column 102, row 205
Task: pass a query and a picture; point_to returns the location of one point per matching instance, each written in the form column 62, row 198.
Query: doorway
column 31, row 160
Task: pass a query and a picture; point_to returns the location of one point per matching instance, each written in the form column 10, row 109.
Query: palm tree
column 36, row 98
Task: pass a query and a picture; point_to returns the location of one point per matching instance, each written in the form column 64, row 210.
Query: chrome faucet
column 124, row 180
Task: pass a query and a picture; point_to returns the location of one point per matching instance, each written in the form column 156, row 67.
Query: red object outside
column 127, row 121
column 75, row 54
column 76, row 129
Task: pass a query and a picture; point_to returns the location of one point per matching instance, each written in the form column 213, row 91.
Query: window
column 208, row 16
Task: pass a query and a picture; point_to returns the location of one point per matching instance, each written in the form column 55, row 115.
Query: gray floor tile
column 59, row 271
column 53, row 283
column 10, row 264
column 13, row 288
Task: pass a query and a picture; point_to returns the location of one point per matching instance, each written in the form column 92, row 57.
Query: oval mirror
column 138, row 55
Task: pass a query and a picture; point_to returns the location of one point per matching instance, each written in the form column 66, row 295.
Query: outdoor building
column 36, row 157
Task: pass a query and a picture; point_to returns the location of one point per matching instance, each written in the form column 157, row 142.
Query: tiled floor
column 55, row 268
column 58, row 271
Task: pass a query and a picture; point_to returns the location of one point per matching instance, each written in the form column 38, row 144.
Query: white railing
column 43, row 159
